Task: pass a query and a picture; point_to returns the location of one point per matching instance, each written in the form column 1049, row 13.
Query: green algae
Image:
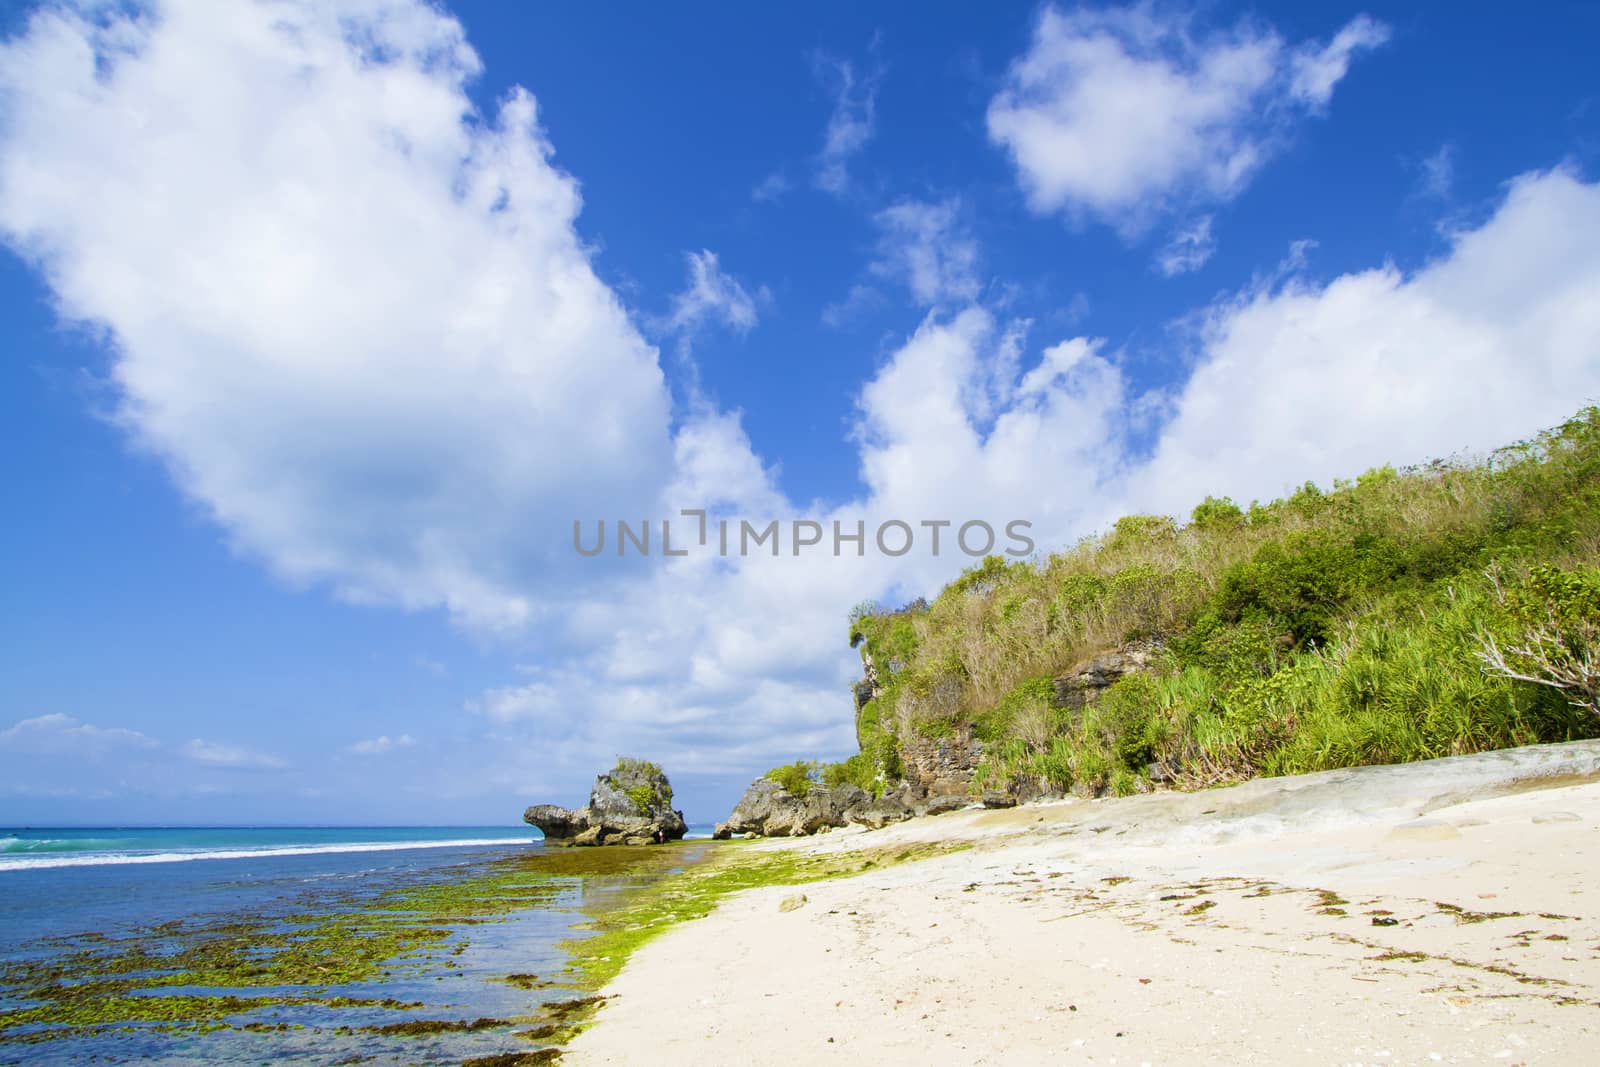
column 201, row 976
column 419, row 1027
column 515, row 1059
column 693, row 892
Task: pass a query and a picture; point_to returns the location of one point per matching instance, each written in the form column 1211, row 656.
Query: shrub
column 796, row 778
column 643, row 782
column 1216, row 513
column 1555, row 634
column 1130, row 718
column 858, row 771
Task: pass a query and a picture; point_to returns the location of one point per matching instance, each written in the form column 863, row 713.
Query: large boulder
column 769, row 810
column 632, row 804
column 896, row 805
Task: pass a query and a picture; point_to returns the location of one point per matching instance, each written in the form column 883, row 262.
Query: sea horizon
column 25, row 848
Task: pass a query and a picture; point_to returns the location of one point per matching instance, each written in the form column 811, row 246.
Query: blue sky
column 322, row 323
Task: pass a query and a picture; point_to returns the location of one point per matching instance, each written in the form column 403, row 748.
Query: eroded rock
column 1085, row 682
column 632, row 804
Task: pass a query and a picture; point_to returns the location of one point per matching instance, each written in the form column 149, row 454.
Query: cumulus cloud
column 353, row 316
column 1190, row 247
column 926, row 246
column 1123, row 114
column 850, row 124
column 377, row 746
column 1492, row 341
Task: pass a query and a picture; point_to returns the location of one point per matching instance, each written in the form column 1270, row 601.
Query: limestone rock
column 758, row 804
column 940, row 804
column 1083, row 683
column 769, row 810
column 942, row 766
column 631, row 804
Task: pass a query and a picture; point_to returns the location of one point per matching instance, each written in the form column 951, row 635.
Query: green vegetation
column 796, row 778
column 644, row 783
column 694, row 891
column 1439, row 610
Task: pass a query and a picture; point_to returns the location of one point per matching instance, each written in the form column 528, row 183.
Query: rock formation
column 631, row 805
column 769, row 810
column 1082, row 684
column 941, row 766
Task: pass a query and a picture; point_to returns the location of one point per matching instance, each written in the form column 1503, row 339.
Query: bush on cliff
column 796, row 778
column 1438, row 610
column 644, row 782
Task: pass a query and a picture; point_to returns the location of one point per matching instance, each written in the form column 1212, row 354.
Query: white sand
column 1222, row 945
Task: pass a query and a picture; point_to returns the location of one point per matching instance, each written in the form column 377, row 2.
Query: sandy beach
column 1441, row 912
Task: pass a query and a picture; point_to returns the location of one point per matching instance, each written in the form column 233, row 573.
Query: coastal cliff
column 1409, row 614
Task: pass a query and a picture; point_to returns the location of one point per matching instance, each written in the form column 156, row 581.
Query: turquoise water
column 91, row 890
column 36, row 849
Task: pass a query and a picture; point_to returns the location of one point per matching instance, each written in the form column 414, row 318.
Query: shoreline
column 1429, row 912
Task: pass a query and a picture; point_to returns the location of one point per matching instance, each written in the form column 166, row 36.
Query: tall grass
column 1327, row 629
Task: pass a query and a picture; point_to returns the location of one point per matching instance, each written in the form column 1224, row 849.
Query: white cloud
column 376, row 746
column 926, row 246
column 352, row 316
column 1190, row 247
column 850, row 125
column 1318, row 70
column 1489, row 343
column 531, row 701
column 59, row 732
column 712, row 295
column 218, row 754
column 1125, row 114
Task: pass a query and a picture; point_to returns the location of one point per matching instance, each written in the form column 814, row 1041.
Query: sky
column 323, row 324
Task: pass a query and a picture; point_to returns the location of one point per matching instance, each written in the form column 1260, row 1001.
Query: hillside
column 1438, row 610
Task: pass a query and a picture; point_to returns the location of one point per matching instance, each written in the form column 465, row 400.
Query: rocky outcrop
column 769, row 810
column 630, row 805
column 1085, row 682
column 942, row 766
column 868, row 689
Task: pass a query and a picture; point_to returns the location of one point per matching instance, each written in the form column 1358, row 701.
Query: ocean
column 245, row 945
